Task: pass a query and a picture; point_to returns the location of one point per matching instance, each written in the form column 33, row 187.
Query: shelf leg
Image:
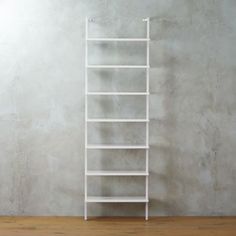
column 146, row 211
column 85, row 211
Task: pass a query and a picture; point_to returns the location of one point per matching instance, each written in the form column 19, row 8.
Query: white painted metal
column 119, row 39
column 128, row 199
column 116, row 173
column 147, row 117
column 117, row 66
column 118, row 120
column 117, row 147
column 86, row 118
column 117, row 199
column 118, row 93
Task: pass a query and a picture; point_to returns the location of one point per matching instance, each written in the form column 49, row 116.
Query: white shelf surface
column 116, row 199
column 118, row 120
column 117, row 66
column 117, row 147
column 118, row 93
column 116, row 173
column 119, row 39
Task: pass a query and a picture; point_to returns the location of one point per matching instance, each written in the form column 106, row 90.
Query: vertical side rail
column 86, row 114
column 147, row 117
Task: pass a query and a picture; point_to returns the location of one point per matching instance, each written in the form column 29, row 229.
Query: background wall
column 192, row 108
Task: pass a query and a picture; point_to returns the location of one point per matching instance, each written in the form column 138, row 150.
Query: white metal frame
column 141, row 199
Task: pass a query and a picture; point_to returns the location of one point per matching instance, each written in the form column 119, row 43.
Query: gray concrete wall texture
column 192, row 105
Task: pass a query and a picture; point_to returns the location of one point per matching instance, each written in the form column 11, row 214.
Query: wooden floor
column 157, row 226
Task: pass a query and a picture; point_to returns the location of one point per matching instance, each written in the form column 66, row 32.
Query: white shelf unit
column 145, row 173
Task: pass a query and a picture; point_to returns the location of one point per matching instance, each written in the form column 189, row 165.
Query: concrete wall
column 192, row 107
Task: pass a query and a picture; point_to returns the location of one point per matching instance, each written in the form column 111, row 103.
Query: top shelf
column 119, row 39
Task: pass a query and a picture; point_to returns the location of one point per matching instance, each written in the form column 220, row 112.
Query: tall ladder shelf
column 104, row 199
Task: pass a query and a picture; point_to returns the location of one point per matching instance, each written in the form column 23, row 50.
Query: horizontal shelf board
column 116, row 199
column 117, row 147
column 118, row 93
column 117, row 120
column 117, row 66
column 119, row 39
column 116, row 173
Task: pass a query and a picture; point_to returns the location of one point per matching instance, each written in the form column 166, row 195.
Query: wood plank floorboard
column 155, row 226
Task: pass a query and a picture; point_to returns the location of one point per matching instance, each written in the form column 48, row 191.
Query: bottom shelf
column 116, row 199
